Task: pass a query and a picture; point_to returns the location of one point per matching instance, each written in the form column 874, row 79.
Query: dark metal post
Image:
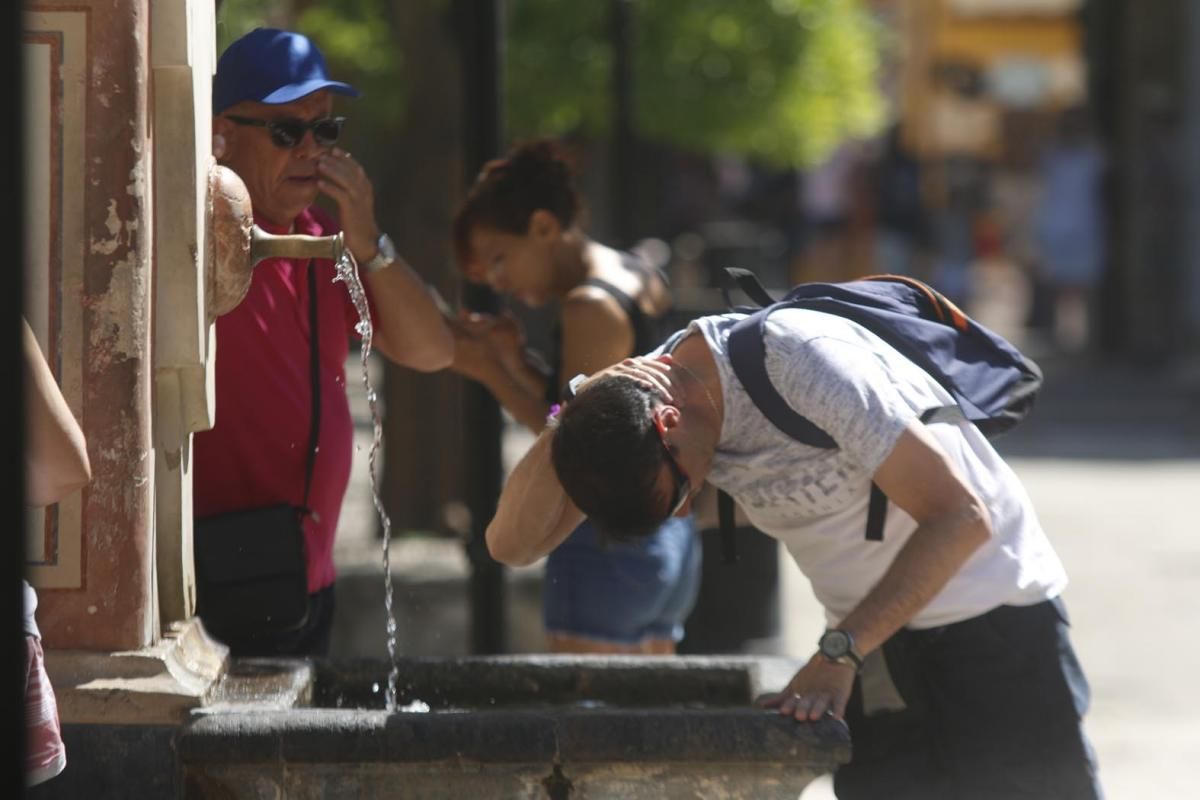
column 623, row 142
column 481, row 24
column 12, row 707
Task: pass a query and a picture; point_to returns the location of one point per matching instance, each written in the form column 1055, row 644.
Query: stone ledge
column 158, row 685
column 567, row 736
column 509, row 710
column 252, row 685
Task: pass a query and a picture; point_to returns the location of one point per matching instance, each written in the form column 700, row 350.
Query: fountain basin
column 528, row 727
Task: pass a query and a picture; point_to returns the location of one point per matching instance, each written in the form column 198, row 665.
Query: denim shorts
column 990, row 708
column 623, row 592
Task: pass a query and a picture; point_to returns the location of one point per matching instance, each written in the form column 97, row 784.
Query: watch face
column 834, row 644
column 386, row 248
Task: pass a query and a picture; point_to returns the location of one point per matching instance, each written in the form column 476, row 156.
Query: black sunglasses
column 288, row 132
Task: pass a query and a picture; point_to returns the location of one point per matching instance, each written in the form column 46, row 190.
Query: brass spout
column 236, row 244
column 268, row 245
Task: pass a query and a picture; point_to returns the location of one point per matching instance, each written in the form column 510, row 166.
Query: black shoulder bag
column 251, row 571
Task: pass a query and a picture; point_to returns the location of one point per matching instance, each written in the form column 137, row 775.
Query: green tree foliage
column 780, row 81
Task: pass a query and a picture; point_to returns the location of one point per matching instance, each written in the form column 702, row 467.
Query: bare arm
column 56, row 459
column 534, row 514
column 952, row 523
column 498, row 362
column 595, row 335
column 413, row 332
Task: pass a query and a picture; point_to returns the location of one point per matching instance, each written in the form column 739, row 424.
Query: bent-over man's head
column 612, row 457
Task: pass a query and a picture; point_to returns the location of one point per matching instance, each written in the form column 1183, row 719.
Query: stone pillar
column 89, row 230
column 183, row 55
column 118, row 150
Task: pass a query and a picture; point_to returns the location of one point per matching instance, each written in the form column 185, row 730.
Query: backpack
column 992, row 383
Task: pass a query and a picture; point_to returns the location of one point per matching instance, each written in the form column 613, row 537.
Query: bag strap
column 748, row 357
column 747, row 281
column 725, row 518
column 314, row 369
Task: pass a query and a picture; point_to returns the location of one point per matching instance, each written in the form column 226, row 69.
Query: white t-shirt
column 863, row 393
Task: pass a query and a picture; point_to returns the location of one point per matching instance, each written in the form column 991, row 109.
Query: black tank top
column 648, row 331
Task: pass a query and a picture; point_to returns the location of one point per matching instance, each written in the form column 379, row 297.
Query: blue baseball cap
column 271, row 66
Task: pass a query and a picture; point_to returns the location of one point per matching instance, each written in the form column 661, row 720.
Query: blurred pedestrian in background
column 901, row 223
column 1069, row 228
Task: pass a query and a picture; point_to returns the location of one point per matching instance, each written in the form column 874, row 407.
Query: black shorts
column 984, row 709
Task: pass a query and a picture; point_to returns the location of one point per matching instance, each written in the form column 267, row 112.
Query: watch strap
column 853, row 658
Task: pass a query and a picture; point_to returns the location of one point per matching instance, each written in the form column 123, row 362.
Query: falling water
column 348, row 274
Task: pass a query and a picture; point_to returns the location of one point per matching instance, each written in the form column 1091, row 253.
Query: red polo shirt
column 255, row 454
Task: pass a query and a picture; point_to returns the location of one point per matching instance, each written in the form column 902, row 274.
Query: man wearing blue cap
column 283, row 433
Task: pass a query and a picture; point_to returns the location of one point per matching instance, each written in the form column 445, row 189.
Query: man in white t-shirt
column 947, row 650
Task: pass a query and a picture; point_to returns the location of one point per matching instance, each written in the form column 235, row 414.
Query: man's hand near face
column 343, row 179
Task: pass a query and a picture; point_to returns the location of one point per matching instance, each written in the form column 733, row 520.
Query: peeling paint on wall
column 113, row 223
column 119, row 325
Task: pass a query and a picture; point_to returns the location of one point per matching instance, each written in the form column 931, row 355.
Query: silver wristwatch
column 385, row 256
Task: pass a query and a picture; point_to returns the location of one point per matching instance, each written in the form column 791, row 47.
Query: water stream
column 347, row 272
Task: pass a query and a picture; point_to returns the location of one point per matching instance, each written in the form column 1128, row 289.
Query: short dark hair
column 608, row 456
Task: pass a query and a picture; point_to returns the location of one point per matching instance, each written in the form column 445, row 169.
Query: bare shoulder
column 596, row 332
column 592, row 306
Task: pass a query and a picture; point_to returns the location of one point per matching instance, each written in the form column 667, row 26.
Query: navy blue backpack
column 992, row 383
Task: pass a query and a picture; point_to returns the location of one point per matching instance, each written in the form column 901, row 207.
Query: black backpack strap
column 725, row 518
column 748, row 357
column 314, row 428
column 877, row 508
column 876, row 513
column 747, row 281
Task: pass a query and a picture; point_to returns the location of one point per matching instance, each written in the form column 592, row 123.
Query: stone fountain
column 135, row 243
